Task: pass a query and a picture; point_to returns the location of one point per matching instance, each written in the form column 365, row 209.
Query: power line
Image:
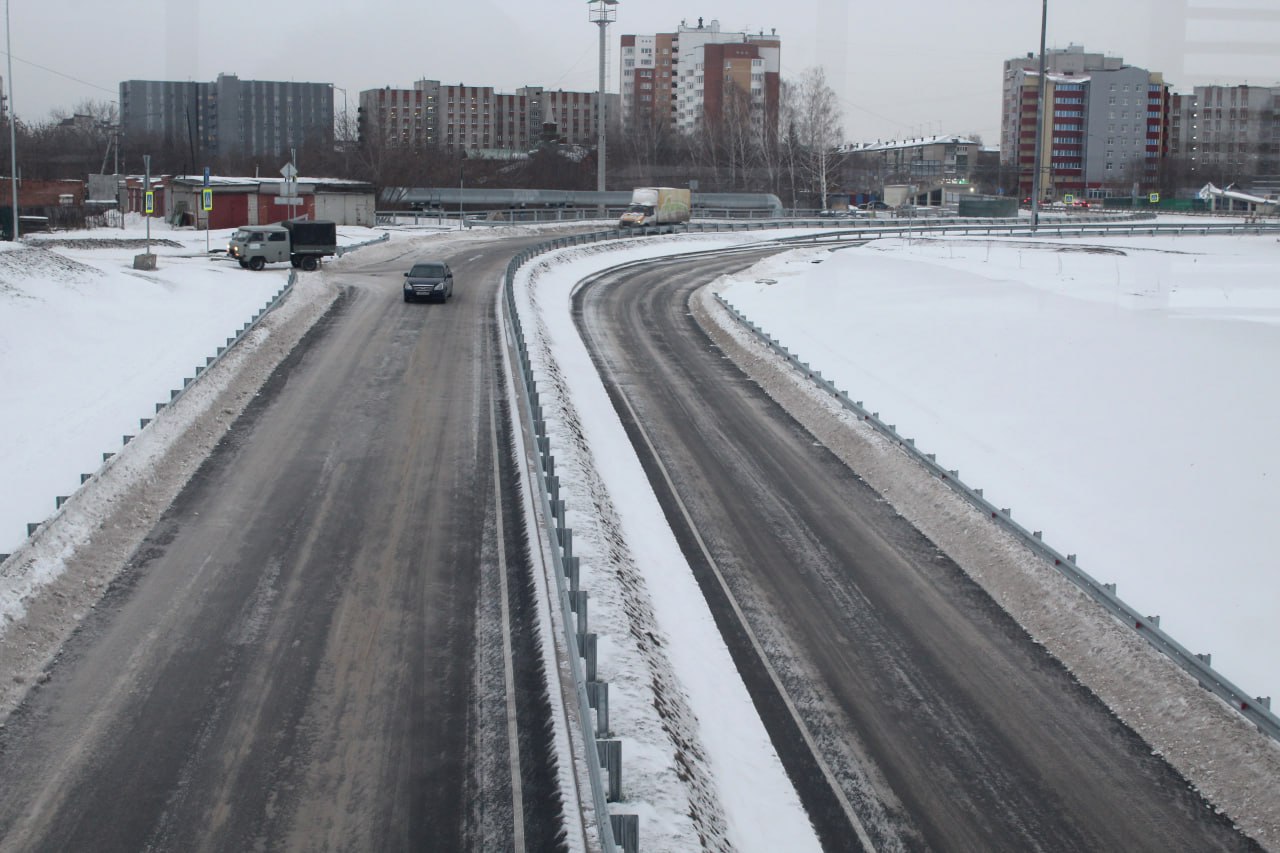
column 61, row 74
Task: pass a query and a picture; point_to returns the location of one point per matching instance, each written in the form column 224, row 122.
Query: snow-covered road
column 1141, row 377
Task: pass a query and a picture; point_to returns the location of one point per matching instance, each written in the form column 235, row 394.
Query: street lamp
column 1035, row 178
column 462, row 217
column 602, row 14
column 13, row 125
column 345, row 127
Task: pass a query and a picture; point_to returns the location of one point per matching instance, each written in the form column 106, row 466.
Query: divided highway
column 940, row 723
column 307, row 651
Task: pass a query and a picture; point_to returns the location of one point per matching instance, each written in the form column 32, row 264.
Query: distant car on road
column 431, row 280
column 873, row 205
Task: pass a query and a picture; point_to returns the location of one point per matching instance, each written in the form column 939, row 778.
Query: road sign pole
column 146, row 195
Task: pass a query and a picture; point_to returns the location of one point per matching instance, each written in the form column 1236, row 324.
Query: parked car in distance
column 873, row 205
column 431, row 280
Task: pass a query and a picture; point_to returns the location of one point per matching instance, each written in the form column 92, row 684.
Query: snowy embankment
column 1114, row 392
column 934, row 335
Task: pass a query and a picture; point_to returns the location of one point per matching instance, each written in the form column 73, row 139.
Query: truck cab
column 256, row 246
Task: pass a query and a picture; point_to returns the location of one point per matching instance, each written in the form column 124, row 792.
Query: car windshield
column 427, row 271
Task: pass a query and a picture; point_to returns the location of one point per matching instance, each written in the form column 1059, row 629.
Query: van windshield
column 427, row 271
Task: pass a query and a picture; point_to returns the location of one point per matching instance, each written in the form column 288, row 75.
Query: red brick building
column 682, row 78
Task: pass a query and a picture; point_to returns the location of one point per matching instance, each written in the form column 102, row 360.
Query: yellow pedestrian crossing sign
column 206, row 198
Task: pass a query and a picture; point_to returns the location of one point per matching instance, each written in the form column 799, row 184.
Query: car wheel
column 256, row 264
column 309, row 263
column 244, row 265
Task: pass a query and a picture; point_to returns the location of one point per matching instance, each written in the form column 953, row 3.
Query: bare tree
column 817, row 123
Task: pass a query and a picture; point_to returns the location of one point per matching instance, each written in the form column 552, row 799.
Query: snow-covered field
column 1112, row 392
column 1116, row 393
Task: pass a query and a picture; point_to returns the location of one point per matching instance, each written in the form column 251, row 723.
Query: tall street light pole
column 1035, row 178
column 345, row 127
column 602, row 14
column 13, row 125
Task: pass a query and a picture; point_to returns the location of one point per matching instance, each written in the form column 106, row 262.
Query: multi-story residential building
column 685, row 78
column 1105, row 125
column 476, row 118
column 230, row 116
column 1226, row 133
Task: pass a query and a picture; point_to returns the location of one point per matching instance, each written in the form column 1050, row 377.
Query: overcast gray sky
column 900, row 69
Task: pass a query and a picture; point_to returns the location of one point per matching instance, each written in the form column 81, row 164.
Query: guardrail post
column 610, row 751
column 571, row 572
column 578, row 604
column 598, row 699
column 587, row 651
column 626, row 831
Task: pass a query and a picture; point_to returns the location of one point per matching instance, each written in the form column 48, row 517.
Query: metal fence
column 604, row 763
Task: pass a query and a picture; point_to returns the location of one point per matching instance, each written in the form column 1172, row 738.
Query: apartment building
column 1226, row 133
column 686, row 78
column 477, row 118
column 229, row 116
column 1105, row 124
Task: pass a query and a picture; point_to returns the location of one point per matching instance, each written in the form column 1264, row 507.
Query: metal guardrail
column 619, row 831
column 342, row 250
column 1256, row 710
column 527, row 216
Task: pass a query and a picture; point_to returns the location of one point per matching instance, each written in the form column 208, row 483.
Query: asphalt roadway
column 909, row 709
column 307, row 651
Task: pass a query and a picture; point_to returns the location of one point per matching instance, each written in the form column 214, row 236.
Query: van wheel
column 244, row 265
column 256, row 264
column 310, row 262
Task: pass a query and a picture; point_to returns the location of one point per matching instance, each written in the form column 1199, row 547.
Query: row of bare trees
column 791, row 153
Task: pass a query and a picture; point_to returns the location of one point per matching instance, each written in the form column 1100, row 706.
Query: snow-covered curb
column 1233, row 765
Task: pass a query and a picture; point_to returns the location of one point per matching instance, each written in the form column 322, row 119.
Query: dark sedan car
column 432, row 280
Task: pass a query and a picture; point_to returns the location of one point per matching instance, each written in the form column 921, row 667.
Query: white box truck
column 656, row 206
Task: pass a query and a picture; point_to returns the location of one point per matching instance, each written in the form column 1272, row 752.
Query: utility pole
column 13, row 125
column 462, row 188
column 1035, row 178
column 602, row 13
